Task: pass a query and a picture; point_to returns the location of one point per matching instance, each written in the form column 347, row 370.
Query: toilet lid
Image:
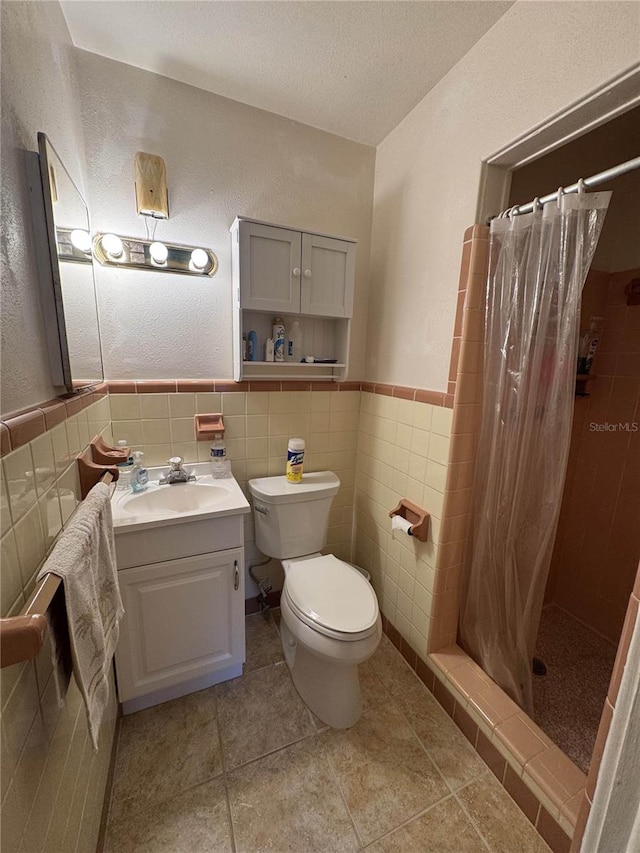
column 332, row 594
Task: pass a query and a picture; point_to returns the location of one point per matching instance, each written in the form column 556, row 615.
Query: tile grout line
column 343, row 797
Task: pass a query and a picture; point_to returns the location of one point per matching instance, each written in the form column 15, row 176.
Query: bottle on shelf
column 589, row 345
column 294, row 343
column 278, row 339
column 252, row 346
column 220, row 464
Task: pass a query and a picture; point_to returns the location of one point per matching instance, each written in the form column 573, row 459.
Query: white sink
column 170, row 504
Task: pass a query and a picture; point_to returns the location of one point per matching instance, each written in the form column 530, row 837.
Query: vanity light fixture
column 112, row 245
column 199, row 259
column 73, row 244
column 159, row 252
column 81, row 240
column 153, row 255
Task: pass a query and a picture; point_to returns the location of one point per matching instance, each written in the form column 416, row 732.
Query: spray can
column 278, row 339
column 295, row 460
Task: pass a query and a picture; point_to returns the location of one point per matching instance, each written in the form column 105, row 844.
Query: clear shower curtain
column 538, row 265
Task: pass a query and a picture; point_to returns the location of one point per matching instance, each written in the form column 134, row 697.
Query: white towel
column 84, row 557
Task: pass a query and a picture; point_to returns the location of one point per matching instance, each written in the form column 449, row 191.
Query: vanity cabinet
column 280, row 271
column 183, row 628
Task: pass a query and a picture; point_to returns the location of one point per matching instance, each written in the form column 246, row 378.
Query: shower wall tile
column 597, row 547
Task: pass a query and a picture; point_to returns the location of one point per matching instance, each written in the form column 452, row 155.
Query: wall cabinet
column 183, row 628
column 280, row 271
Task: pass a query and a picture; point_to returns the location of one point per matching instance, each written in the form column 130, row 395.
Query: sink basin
column 170, row 504
column 176, row 499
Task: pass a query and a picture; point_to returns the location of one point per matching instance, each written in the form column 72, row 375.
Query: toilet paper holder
column 418, row 518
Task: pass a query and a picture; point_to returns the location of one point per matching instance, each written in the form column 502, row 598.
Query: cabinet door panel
column 268, row 258
column 328, row 270
column 183, row 618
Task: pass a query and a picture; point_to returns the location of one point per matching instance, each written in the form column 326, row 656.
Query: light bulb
column 159, row 252
column 81, row 240
column 199, row 259
column 112, row 245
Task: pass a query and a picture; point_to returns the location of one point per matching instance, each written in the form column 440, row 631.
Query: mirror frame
column 52, row 282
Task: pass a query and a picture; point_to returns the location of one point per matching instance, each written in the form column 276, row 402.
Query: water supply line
column 264, row 584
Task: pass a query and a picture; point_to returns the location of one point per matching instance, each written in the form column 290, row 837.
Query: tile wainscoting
column 53, row 783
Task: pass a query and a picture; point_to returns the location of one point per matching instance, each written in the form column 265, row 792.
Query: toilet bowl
column 330, row 617
column 330, row 624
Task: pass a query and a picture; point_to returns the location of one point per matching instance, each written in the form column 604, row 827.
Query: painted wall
column 223, row 159
column 428, row 168
column 39, row 93
column 615, row 142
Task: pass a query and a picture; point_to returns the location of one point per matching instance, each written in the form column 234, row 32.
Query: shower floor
column 568, row 700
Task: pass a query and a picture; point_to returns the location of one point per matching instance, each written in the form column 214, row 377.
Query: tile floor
column 245, row 767
column 568, row 700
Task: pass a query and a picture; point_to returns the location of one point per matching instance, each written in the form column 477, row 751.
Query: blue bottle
column 252, row 346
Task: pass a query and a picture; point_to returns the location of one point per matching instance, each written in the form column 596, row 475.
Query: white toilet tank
column 291, row 519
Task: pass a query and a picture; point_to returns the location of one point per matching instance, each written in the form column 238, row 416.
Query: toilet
column 330, row 617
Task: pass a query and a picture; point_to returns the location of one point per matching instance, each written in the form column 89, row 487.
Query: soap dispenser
column 139, row 475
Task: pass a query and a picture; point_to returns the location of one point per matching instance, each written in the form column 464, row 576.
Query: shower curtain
column 538, row 265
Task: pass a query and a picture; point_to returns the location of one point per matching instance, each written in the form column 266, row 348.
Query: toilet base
column 331, row 689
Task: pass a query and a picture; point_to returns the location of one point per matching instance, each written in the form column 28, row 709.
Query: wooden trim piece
column 21, row 638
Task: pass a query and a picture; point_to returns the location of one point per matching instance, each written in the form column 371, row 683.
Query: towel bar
column 22, row 636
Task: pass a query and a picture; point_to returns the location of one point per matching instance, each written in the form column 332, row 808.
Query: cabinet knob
column 296, row 271
column 307, row 273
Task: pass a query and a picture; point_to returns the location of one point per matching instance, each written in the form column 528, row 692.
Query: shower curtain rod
column 593, row 181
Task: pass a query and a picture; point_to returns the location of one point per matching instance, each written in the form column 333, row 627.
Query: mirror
column 71, row 317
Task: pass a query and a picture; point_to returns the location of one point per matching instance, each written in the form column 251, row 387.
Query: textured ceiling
column 352, row 68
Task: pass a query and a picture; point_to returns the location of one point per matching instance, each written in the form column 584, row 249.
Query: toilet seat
column 331, row 597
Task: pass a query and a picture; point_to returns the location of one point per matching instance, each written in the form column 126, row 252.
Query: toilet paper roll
column 399, row 527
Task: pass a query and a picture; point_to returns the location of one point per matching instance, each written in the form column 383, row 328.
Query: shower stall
column 555, row 540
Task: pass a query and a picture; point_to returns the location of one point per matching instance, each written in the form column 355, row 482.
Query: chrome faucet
column 176, row 473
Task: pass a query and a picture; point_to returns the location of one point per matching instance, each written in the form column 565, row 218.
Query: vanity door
column 184, row 622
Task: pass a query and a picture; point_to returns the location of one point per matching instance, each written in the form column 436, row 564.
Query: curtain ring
column 536, row 204
column 581, row 186
column 559, row 195
column 512, row 211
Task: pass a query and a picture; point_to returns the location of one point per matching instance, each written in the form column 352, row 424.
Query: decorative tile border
column 19, row 428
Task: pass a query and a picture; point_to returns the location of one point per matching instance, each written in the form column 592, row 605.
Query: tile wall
column 403, row 449
column 258, row 425
column 597, row 545
column 52, row 782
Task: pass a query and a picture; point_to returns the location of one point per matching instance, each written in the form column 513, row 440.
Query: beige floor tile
column 259, row 713
column 372, row 688
column 501, row 823
column 458, row 762
column 289, row 802
column 445, row 828
column 384, row 772
column 164, row 750
column 196, row 821
column 263, row 642
column 388, row 665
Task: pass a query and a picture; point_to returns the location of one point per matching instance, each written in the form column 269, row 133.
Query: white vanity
column 180, row 553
